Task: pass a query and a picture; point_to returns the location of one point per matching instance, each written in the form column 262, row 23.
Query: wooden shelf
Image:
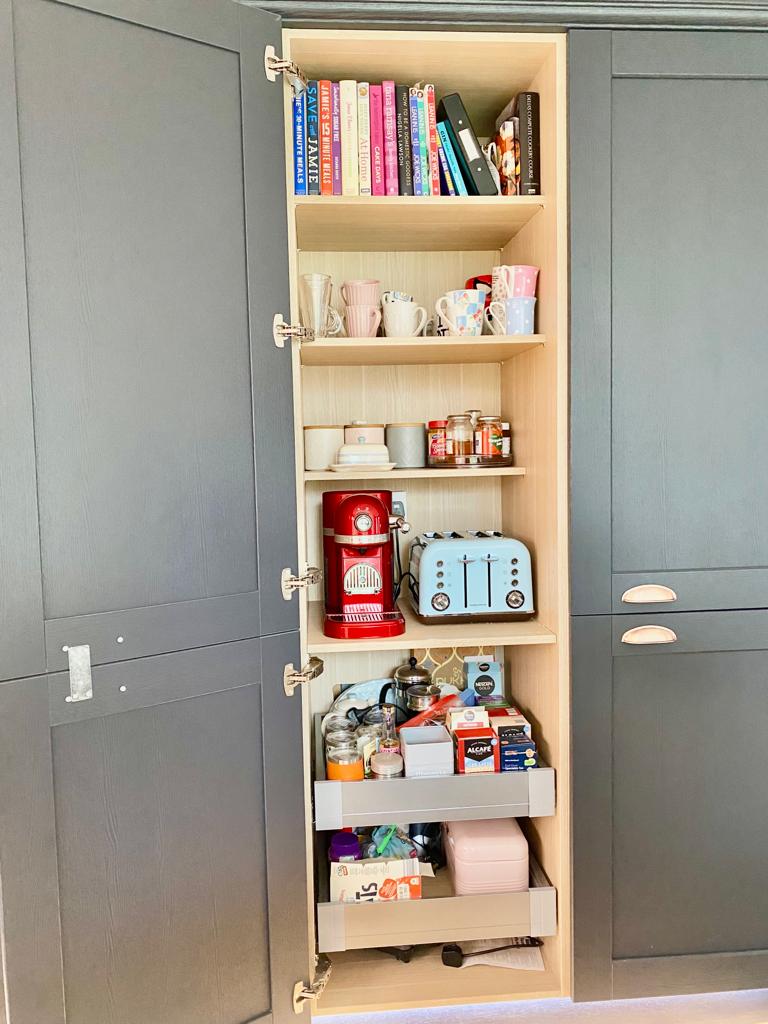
column 439, row 916
column 417, row 634
column 410, row 223
column 414, row 474
column 416, row 351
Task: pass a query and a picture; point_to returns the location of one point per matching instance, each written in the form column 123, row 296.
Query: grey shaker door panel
column 689, row 314
column 671, row 811
column 151, row 170
column 156, row 819
column 668, row 320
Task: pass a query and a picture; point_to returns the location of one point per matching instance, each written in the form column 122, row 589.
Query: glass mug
column 315, row 309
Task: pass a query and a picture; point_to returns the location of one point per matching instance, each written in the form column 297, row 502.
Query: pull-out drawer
column 526, row 794
column 439, row 917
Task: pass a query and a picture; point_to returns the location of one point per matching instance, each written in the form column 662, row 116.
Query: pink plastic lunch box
column 486, row 856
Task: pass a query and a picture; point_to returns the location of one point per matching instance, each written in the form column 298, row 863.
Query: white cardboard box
column 376, row 880
column 427, row 750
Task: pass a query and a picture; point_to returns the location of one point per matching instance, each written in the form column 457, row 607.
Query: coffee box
column 466, row 718
column 485, row 679
column 509, row 722
column 517, row 752
column 477, row 751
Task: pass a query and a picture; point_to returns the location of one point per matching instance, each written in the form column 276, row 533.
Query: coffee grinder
column 359, row 534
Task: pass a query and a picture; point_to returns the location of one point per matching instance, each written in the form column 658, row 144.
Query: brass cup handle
column 648, row 593
column 649, row 635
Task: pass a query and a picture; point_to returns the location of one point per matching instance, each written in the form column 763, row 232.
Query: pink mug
column 362, row 321
column 514, row 281
column 361, row 292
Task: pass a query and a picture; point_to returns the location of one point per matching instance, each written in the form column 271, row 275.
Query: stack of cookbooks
column 360, row 138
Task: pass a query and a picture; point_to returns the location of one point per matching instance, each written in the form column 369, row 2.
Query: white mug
column 404, row 319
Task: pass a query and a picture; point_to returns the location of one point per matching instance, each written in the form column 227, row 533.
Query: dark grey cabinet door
column 152, row 842
column 147, row 457
column 670, row 805
column 670, row 224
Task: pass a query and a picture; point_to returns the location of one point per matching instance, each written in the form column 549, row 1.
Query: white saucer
column 359, row 467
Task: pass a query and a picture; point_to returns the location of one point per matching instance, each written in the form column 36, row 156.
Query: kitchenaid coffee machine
column 359, row 537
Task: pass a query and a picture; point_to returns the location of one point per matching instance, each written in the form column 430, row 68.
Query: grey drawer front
column 697, row 590
column 698, row 632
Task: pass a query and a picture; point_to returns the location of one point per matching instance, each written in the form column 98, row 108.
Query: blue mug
column 511, row 316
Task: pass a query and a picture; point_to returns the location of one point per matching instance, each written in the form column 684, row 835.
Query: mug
column 404, row 319
column 513, row 281
column 512, row 316
column 315, row 307
column 320, row 446
column 396, row 297
column 361, row 292
column 362, row 321
column 462, row 311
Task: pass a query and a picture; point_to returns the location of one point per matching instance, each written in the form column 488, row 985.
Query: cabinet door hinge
column 295, row 677
column 303, row 994
column 289, row 583
column 80, row 681
column 281, row 330
column 274, row 66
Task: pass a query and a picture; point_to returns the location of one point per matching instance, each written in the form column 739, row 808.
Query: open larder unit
column 426, row 246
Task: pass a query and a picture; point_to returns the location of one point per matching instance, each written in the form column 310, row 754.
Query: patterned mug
column 462, row 311
column 511, row 316
column 513, row 281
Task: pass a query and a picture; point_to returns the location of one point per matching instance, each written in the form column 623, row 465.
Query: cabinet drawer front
column 696, row 590
column 694, row 632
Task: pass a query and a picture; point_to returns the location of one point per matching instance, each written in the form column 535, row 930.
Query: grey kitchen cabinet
column 669, row 310
column 152, row 839
column 670, row 805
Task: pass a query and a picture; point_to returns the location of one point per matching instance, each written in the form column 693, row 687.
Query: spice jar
column 344, row 764
column 368, row 738
column 506, row 440
column 436, row 438
column 459, row 436
column 386, row 766
column 488, row 437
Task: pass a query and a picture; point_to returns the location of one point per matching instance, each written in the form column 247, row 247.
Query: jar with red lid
column 437, row 431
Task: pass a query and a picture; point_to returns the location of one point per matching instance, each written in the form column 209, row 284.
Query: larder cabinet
column 669, row 528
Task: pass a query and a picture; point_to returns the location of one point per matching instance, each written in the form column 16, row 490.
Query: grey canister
column 407, row 444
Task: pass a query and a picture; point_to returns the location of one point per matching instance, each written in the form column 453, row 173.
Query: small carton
column 485, row 679
column 427, row 750
column 508, row 722
column 377, row 880
column 517, row 753
column 466, row 718
column 477, row 751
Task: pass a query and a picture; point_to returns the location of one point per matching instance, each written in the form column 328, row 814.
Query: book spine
column 413, row 118
column 313, row 141
column 299, row 145
column 516, row 122
column 348, row 102
column 390, row 138
column 434, row 163
column 450, row 156
column 403, row 127
column 377, row 140
column 326, row 169
column 445, row 173
column 426, row 189
column 336, row 137
column 363, row 138
column 528, row 112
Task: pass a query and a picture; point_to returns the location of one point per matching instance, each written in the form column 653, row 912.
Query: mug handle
column 344, row 295
column 334, row 325
column 422, row 322
column 494, row 319
column 376, row 323
column 440, row 313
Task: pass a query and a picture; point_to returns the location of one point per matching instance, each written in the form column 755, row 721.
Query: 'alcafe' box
column 477, row 751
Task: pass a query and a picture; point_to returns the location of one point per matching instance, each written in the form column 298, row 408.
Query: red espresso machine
column 358, row 547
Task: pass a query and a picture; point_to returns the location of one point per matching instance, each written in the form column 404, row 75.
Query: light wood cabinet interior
column 529, row 388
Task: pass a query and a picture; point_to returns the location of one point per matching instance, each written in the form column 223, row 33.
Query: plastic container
column 386, row 766
column 344, row 846
column 427, row 751
column 486, row 856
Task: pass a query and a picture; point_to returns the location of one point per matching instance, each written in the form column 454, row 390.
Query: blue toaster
column 473, row 575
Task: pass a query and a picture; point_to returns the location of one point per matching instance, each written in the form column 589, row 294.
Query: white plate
column 360, row 467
